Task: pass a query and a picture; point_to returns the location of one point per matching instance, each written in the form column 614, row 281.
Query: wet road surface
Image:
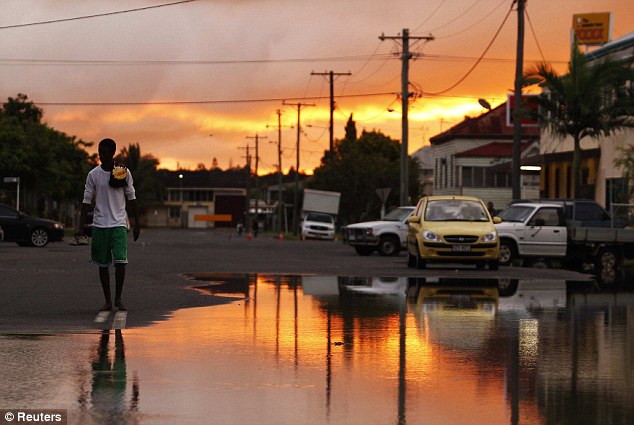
column 319, row 349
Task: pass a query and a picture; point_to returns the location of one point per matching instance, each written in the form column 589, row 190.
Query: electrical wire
column 98, row 15
column 358, row 71
column 444, row 37
column 464, row 77
column 384, row 57
column 431, row 15
column 19, row 61
column 208, row 102
column 530, row 24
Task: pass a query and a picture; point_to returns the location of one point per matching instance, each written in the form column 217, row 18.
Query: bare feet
column 120, row 306
column 106, row 307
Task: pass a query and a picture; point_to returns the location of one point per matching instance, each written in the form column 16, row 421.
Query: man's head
column 107, row 149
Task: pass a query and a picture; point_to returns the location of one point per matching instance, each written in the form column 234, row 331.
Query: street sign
column 11, row 179
column 529, row 110
column 592, row 29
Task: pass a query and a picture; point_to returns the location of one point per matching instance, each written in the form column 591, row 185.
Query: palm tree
column 592, row 100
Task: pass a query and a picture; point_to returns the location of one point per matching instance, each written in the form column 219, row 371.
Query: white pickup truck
column 574, row 232
column 388, row 235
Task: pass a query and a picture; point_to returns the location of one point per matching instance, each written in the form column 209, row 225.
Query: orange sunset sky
column 195, row 80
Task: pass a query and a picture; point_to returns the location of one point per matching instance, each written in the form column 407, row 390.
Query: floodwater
column 338, row 350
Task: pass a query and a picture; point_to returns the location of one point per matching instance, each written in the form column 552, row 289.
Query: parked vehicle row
column 28, row 231
column 439, row 229
column 460, row 229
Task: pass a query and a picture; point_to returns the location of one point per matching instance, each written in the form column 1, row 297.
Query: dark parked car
column 25, row 230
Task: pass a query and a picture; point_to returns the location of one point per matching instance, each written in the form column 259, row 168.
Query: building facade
column 474, row 158
column 601, row 180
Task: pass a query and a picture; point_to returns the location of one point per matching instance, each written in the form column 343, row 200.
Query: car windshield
column 398, row 214
column 516, row 213
column 455, row 210
column 320, row 218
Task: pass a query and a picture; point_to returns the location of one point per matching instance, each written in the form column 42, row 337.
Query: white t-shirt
column 109, row 201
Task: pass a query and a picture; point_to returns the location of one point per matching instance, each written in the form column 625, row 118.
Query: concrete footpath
column 54, row 289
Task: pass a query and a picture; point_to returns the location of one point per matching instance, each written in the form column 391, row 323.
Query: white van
column 318, row 226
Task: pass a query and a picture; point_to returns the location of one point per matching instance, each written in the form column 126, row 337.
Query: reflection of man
column 109, row 381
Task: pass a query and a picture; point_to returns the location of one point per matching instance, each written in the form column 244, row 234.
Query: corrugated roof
column 495, row 150
column 490, row 125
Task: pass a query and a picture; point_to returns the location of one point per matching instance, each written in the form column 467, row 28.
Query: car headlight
column 431, row 236
column 57, row 226
column 490, row 237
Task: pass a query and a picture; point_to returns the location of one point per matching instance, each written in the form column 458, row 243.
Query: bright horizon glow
column 229, row 82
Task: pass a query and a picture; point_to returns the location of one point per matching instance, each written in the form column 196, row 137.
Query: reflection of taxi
column 456, row 229
column 459, row 317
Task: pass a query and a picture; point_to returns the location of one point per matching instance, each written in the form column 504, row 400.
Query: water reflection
column 348, row 350
column 107, row 401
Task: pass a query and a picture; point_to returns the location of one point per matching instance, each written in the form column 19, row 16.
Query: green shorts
column 108, row 244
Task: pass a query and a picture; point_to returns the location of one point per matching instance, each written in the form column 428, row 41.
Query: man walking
column 109, row 185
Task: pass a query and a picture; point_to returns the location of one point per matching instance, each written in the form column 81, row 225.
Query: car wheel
column 411, row 260
column 39, row 237
column 364, row 250
column 537, row 263
column 420, row 263
column 507, row 253
column 608, row 266
column 389, row 245
column 494, row 265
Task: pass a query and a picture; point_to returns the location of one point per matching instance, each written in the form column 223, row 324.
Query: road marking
column 102, row 316
column 119, row 320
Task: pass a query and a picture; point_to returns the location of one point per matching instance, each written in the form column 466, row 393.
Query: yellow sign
column 592, row 28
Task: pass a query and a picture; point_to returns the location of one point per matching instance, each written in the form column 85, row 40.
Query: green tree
column 144, row 169
column 357, row 168
column 51, row 165
column 591, row 100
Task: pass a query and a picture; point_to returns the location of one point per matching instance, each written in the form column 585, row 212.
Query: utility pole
column 517, row 123
column 299, row 107
column 332, row 75
column 257, row 179
column 405, row 58
column 247, row 202
column 280, row 203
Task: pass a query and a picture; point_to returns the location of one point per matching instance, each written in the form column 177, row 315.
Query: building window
column 473, row 176
column 175, row 212
column 498, row 179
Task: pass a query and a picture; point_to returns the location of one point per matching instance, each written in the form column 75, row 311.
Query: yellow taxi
column 453, row 229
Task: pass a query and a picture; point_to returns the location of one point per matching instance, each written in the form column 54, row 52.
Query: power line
column 20, row 61
column 464, row 77
column 530, row 24
column 467, row 28
column 98, row 15
column 209, row 102
column 431, row 15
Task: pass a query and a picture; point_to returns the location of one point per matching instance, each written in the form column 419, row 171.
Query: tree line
column 52, row 167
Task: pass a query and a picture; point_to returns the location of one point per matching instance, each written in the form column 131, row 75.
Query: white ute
column 388, row 235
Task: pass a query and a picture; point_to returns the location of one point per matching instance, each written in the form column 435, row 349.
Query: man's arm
column 134, row 213
column 82, row 219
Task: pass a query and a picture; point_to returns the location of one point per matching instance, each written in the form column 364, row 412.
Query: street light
column 180, row 177
column 484, row 104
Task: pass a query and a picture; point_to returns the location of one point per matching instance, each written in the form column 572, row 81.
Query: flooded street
column 295, row 349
